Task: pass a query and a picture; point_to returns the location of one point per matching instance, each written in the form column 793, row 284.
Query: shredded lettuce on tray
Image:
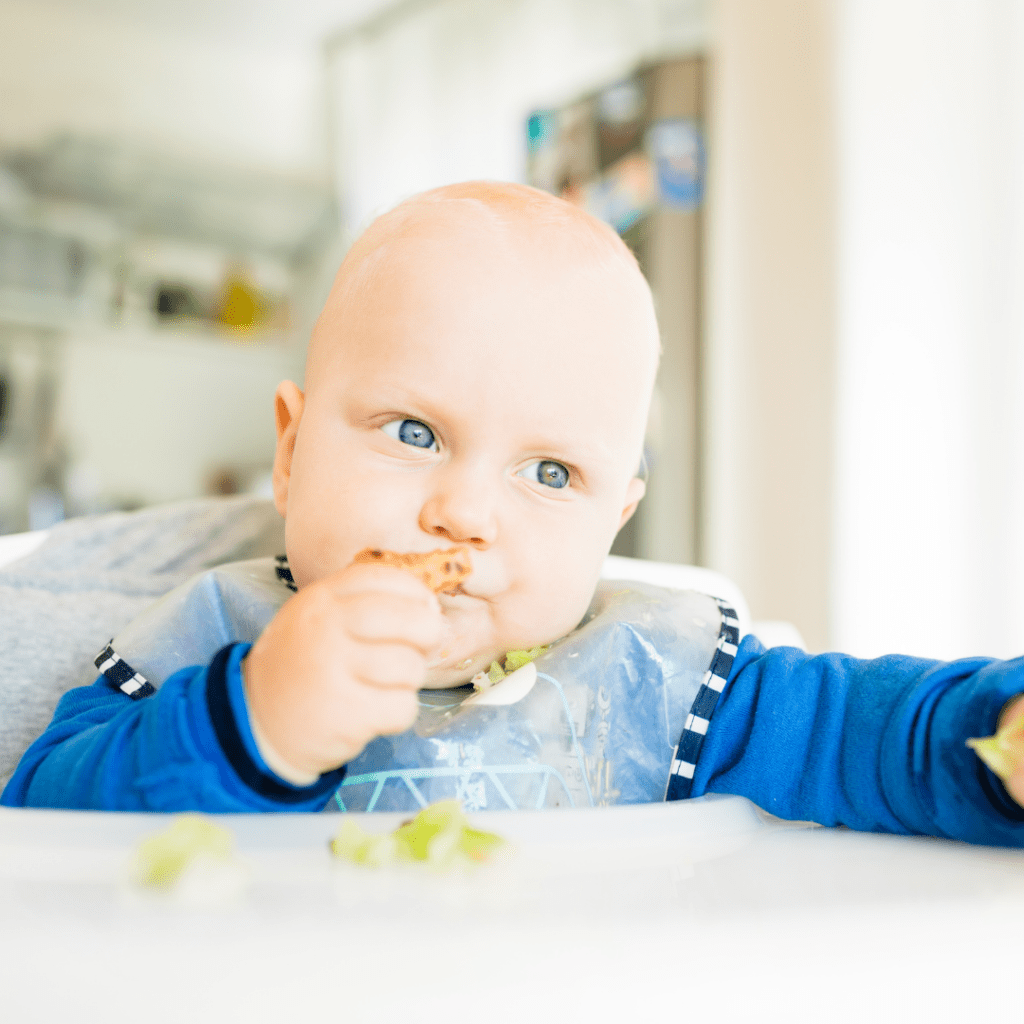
column 439, row 836
column 163, row 858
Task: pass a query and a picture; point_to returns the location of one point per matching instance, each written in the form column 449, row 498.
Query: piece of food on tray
column 1004, row 752
column 440, row 570
column 440, row 837
column 163, row 858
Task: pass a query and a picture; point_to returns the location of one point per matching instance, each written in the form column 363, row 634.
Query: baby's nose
column 462, row 509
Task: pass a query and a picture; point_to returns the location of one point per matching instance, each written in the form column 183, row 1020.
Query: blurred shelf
column 35, row 314
column 98, row 233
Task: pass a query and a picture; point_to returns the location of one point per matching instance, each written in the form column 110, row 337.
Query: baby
column 480, row 377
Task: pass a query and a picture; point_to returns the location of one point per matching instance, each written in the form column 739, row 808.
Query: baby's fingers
column 375, row 618
column 384, row 710
column 388, row 666
column 367, row 578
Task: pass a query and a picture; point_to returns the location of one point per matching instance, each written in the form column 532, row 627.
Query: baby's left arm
column 876, row 745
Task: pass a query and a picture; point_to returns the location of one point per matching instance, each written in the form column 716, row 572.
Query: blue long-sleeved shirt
column 875, row 745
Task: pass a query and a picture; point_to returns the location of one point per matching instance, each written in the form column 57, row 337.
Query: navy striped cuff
column 684, row 764
column 121, row 676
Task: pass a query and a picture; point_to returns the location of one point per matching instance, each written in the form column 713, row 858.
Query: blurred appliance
column 633, row 154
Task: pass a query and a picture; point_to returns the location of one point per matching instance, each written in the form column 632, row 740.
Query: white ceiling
column 285, row 24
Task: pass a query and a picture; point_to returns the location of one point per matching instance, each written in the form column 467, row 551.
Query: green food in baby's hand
column 162, row 858
column 1004, row 752
column 439, row 836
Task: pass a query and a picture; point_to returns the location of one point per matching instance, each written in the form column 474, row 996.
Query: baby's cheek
column 559, row 612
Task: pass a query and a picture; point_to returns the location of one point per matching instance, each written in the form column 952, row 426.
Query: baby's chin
column 469, row 643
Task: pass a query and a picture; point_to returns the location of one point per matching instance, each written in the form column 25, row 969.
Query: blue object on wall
column 676, row 146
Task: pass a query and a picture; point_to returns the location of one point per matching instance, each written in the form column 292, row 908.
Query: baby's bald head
column 521, row 232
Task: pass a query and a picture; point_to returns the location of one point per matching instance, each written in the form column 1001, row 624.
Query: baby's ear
column 288, row 405
column 635, row 490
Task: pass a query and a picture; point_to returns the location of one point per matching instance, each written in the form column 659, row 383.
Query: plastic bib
column 596, row 720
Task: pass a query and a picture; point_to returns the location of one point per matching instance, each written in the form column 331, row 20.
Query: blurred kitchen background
column 827, row 197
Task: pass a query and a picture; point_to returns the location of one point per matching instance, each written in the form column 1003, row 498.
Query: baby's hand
column 341, row 663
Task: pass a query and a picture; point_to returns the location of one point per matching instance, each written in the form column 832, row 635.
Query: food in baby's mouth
column 513, row 660
column 439, row 836
column 1004, row 752
column 163, row 858
column 439, row 570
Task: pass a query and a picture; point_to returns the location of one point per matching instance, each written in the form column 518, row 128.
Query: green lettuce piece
column 479, row 846
column 352, row 843
column 162, row 858
column 433, row 835
column 439, row 836
column 495, row 673
column 517, row 659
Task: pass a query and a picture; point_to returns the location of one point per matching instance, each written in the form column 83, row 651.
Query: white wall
column 929, row 550
column 149, row 418
column 866, row 321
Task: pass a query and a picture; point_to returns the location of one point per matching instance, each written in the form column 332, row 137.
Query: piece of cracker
column 439, row 570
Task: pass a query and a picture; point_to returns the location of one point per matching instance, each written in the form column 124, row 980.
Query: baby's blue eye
column 413, row 432
column 551, row 474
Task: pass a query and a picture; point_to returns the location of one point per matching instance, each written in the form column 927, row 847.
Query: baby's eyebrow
column 406, row 396
column 572, row 444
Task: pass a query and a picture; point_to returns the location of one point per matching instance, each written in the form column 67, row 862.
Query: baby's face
column 490, row 399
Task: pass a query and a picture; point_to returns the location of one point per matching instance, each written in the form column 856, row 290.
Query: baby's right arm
column 339, row 664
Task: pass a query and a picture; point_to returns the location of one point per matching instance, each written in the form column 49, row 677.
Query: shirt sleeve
column 188, row 746
column 875, row 745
